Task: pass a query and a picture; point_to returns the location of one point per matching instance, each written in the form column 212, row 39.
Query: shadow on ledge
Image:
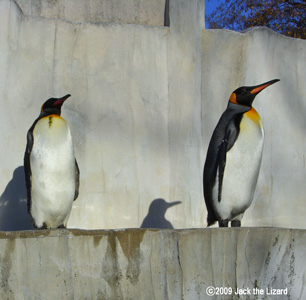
column 13, row 204
column 156, row 215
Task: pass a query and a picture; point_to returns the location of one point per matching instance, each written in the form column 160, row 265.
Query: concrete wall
column 128, row 86
column 151, row 264
column 142, row 12
column 145, row 100
column 232, row 59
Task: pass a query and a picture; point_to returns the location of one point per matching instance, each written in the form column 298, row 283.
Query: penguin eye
column 244, row 91
column 241, row 91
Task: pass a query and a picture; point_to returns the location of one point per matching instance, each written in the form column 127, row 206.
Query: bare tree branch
column 284, row 16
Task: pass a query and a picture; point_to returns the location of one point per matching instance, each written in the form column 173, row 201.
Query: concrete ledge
column 141, row 12
column 151, row 264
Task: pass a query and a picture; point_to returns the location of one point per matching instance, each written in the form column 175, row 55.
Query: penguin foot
column 236, row 223
column 223, row 223
column 44, row 226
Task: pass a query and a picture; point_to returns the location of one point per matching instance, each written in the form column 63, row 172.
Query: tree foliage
column 287, row 17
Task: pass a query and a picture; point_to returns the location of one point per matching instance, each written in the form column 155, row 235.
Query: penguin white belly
column 53, row 172
column 242, row 169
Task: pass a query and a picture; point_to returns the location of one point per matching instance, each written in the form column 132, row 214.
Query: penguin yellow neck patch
column 50, row 121
column 253, row 115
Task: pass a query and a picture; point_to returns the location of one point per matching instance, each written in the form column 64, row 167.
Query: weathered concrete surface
column 131, row 113
column 232, row 59
column 141, row 12
column 144, row 103
column 145, row 100
column 151, row 264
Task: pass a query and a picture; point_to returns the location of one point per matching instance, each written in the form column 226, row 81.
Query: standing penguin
column 51, row 170
column 233, row 158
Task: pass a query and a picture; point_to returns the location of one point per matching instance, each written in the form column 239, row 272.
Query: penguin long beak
column 258, row 88
column 60, row 101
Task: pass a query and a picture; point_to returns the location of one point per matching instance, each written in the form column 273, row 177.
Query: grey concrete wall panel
column 141, row 12
column 145, row 100
column 151, row 264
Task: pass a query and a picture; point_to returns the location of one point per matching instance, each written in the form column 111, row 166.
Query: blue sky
column 209, row 7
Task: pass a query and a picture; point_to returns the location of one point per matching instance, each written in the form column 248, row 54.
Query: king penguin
column 233, row 158
column 51, row 170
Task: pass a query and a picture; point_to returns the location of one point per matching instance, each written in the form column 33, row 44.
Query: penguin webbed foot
column 223, row 223
column 236, row 223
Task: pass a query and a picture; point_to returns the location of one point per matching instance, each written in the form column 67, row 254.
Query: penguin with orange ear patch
column 233, row 158
column 51, row 170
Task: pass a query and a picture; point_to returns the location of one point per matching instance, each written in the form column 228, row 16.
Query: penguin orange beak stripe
column 259, row 88
column 61, row 100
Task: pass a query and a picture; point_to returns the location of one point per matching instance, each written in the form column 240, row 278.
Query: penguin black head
column 53, row 105
column 245, row 95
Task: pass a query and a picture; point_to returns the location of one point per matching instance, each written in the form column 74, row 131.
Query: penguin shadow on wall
column 156, row 214
column 13, row 204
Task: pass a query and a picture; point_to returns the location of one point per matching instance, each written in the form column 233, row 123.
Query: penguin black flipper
column 222, row 162
column 27, row 163
column 223, row 138
column 77, row 180
column 27, row 166
column 230, row 136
